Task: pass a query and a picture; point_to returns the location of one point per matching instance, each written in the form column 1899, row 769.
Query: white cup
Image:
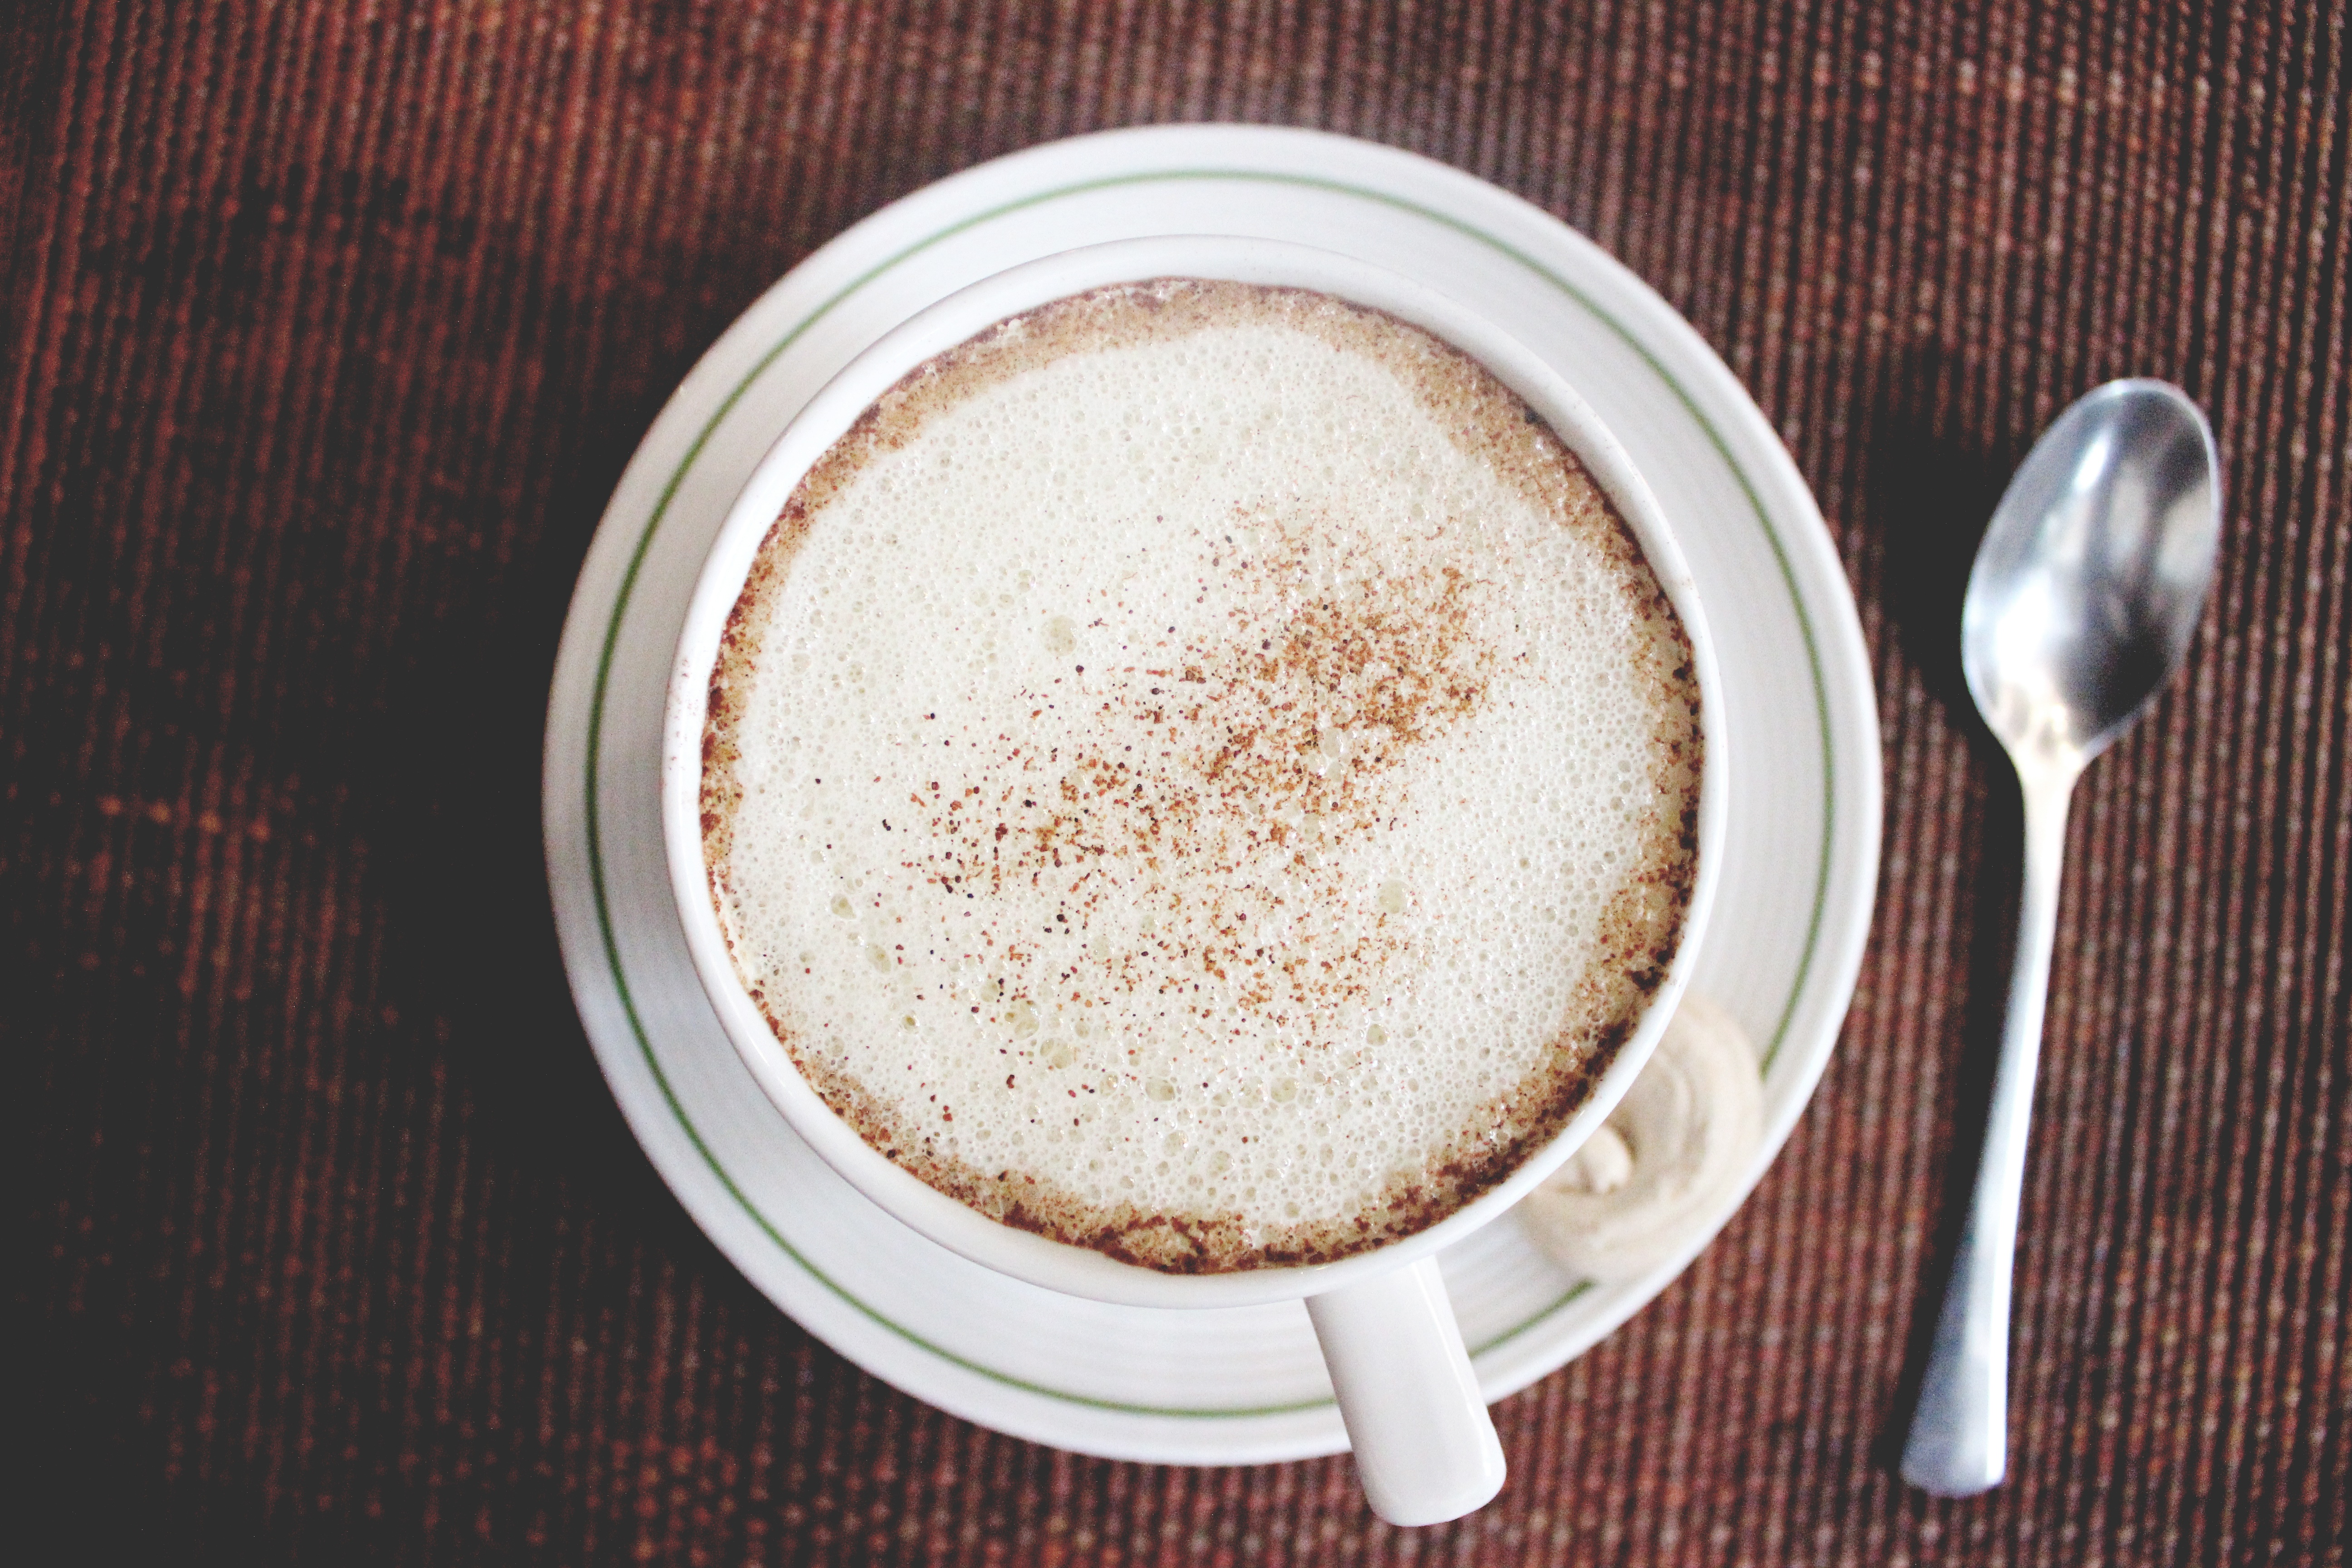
column 1425, row 1448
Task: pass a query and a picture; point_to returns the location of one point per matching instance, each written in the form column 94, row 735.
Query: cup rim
column 813, row 431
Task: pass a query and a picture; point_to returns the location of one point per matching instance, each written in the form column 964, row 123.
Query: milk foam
column 1190, row 791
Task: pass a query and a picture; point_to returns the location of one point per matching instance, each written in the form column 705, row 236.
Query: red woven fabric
column 328, row 329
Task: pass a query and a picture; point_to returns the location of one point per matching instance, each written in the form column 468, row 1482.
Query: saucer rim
column 1830, row 957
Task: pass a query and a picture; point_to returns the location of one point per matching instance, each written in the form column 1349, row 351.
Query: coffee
column 1199, row 770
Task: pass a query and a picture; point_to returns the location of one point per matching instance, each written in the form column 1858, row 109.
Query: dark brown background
column 329, row 328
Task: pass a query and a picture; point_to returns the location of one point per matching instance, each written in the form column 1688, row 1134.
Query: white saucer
column 1239, row 1385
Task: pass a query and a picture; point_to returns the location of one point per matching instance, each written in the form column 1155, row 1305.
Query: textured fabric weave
column 328, row 329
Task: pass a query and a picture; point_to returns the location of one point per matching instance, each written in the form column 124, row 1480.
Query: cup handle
column 1425, row 1448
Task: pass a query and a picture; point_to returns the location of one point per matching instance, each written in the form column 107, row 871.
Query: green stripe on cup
column 735, row 395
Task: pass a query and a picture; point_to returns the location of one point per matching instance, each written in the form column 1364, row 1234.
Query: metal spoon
column 2085, row 593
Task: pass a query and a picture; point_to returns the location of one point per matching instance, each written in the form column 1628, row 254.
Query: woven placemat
column 328, row 329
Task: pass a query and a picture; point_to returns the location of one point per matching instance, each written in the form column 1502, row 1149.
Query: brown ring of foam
column 1641, row 926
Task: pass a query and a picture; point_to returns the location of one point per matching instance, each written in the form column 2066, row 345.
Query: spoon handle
column 1960, row 1435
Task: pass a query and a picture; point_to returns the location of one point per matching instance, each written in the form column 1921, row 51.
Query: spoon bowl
column 2086, row 592
column 2092, row 575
